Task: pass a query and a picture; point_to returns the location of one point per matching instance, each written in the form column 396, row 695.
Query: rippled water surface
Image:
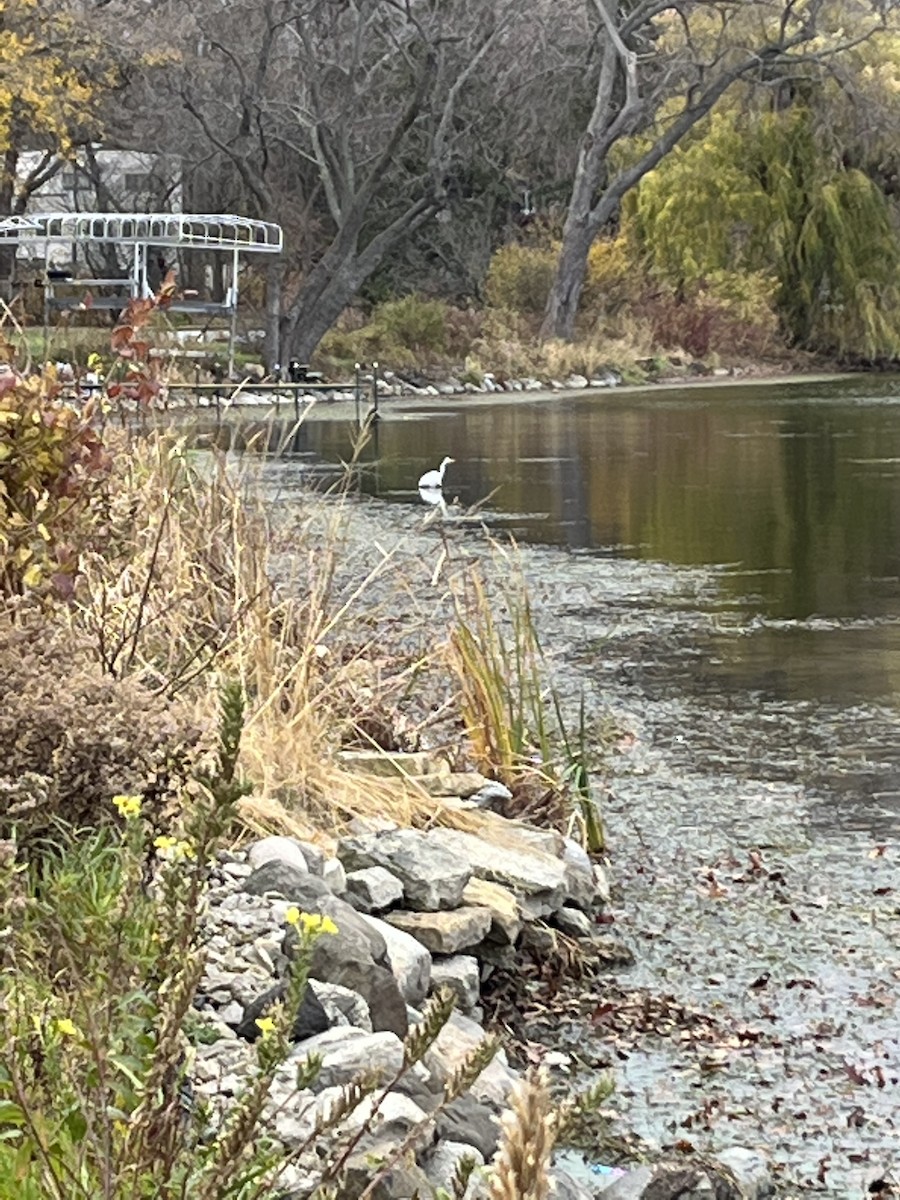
column 731, row 590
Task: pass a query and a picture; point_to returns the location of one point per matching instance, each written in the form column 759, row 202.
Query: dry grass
column 528, row 1136
column 185, row 595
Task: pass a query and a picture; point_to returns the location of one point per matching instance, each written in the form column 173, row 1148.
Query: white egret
column 435, row 479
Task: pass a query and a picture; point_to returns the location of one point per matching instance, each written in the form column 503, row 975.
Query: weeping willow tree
column 758, row 195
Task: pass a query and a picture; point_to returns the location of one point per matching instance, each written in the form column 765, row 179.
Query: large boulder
column 311, row 1016
column 277, row 849
column 533, row 874
column 352, row 957
column 409, row 960
column 347, row 1052
column 373, row 889
column 461, row 974
column 444, row 932
column 433, row 875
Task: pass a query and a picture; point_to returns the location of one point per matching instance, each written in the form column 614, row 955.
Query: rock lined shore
column 415, row 911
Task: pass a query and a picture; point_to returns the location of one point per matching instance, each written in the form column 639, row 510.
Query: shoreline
column 396, row 407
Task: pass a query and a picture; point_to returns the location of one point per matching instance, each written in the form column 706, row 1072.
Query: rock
column 564, row 1186
column 532, row 873
column 346, row 1052
column 506, row 917
column 433, row 875
column 751, row 1171
column 461, row 975
column 579, row 871
column 285, row 879
column 491, row 795
column 453, row 1044
column 379, row 989
column 601, row 884
column 577, row 381
column 441, row 1163
column 631, row 1186
column 409, row 961
column 342, row 1006
column 311, row 1017
column 334, row 875
column 280, row 850
column 444, row 932
column 373, row 889
column 573, row 922
column 402, row 1181
column 469, row 1121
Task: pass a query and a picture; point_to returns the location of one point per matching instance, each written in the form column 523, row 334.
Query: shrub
column 519, row 278
column 53, row 467
column 614, row 276
column 70, row 737
column 414, row 323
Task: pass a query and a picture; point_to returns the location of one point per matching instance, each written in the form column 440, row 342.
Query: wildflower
column 128, row 806
column 312, row 924
column 173, row 849
column 265, row 1025
column 66, row 1027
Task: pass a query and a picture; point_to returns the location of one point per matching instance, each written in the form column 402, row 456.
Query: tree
column 347, row 122
column 663, row 67
column 52, row 73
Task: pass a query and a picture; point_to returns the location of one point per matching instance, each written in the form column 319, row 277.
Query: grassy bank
column 179, row 670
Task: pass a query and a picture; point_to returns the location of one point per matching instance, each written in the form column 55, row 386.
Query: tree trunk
column 272, row 344
column 568, row 281
column 7, row 253
column 310, row 319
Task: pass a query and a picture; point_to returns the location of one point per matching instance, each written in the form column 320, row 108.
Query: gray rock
column 492, row 795
column 334, row 875
column 379, row 989
column 631, row 1186
column 444, row 932
column 573, row 922
column 433, row 875
column 461, row 975
column 409, row 960
column 280, row 850
column 373, row 889
column 564, row 1186
column 311, row 1017
column 468, row 1120
column 454, row 1043
column 527, row 871
column 579, row 871
column 441, row 1163
column 342, row 1006
column 280, row 878
column 751, row 1171
column 315, row 859
column 401, row 1181
column 346, row 1052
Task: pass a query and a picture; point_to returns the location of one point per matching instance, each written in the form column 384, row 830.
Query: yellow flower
column 266, row 1026
column 67, row 1027
column 172, row 849
column 311, row 923
column 128, row 806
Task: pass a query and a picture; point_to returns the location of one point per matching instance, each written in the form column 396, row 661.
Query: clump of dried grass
column 529, row 1131
column 187, row 594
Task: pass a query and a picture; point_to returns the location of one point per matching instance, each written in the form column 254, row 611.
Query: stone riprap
column 452, row 905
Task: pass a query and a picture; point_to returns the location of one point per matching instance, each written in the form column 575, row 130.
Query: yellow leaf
column 32, row 576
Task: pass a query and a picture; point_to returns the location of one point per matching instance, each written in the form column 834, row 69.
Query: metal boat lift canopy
column 140, row 231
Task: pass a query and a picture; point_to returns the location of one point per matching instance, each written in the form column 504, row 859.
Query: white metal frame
column 182, row 231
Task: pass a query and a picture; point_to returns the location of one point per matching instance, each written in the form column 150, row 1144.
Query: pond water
column 731, row 590
column 790, row 491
